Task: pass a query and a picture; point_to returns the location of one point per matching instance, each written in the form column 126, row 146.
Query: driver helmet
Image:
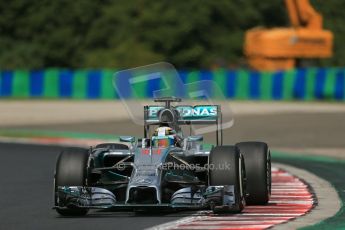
column 164, row 137
column 164, row 131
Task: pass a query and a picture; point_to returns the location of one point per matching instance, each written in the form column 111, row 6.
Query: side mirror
column 193, row 143
column 127, row 139
column 195, row 138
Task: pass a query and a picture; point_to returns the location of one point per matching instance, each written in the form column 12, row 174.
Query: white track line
column 290, row 205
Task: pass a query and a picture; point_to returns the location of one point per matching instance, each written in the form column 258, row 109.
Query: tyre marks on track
column 290, row 198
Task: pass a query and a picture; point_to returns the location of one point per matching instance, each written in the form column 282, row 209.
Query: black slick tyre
column 258, row 171
column 233, row 175
column 71, row 170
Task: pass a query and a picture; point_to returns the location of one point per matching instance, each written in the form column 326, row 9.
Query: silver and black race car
column 164, row 169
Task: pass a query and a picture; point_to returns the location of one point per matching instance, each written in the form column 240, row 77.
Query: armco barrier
column 299, row 84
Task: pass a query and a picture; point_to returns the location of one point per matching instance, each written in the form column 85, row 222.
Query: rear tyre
column 71, row 170
column 257, row 158
column 233, row 175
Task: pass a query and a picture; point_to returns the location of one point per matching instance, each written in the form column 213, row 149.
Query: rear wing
column 189, row 115
column 200, row 114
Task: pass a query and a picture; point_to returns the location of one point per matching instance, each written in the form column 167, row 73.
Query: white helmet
column 164, row 131
column 164, row 137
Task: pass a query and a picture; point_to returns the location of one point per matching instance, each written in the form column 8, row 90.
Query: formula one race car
column 164, row 169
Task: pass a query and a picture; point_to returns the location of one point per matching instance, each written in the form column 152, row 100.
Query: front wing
column 100, row 198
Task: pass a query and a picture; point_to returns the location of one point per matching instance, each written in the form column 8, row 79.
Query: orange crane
column 279, row 48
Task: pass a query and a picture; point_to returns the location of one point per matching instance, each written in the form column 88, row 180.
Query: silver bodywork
column 153, row 169
column 148, row 172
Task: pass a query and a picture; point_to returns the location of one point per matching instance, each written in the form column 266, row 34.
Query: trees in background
column 122, row 33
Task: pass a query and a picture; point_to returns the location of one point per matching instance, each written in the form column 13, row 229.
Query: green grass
column 330, row 169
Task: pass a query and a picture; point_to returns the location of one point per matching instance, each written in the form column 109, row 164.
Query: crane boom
column 279, row 48
column 302, row 14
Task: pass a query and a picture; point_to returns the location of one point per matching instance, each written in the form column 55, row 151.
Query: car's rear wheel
column 257, row 158
column 71, row 170
column 220, row 174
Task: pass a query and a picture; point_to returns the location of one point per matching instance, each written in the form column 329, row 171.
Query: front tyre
column 71, row 170
column 233, row 175
column 257, row 158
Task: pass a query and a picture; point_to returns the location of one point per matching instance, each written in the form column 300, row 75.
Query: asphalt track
column 27, row 199
column 26, row 181
column 26, row 195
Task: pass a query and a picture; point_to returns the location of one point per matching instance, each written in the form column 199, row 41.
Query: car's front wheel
column 226, row 167
column 257, row 158
column 71, row 170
